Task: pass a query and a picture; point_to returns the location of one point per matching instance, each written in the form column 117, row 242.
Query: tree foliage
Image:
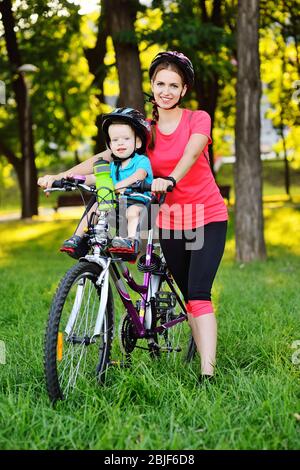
column 49, row 37
column 78, row 75
column 279, row 45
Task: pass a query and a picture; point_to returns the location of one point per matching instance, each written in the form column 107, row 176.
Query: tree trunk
column 207, row 96
column 95, row 57
column 29, row 188
column 249, row 228
column 207, row 91
column 121, row 18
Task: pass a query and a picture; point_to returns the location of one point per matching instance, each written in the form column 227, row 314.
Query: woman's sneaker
column 76, row 247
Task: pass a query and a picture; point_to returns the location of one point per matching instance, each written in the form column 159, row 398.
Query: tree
column 25, row 169
column 119, row 24
column 63, row 109
column 250, row 243
column 121, row 19
column 280, row 37
column 204, row 31
column 95, row 57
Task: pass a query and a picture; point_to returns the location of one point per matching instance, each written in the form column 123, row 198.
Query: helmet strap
column 118, row 161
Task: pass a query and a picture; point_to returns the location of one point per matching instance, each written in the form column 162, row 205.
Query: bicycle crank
column 127, row 335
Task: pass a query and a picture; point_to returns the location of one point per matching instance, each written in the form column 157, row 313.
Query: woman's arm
column 90, row 179
column 192, row 152
column 84, row 168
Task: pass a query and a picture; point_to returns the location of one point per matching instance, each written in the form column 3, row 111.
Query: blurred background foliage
column 75, row 46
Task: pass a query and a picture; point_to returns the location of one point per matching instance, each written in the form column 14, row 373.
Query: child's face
column 123, row 141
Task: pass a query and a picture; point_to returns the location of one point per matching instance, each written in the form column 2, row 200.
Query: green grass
column 157, row 404
column 272, row 175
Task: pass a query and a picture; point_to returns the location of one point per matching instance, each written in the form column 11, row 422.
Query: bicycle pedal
column 165, row 300
column 125, row 254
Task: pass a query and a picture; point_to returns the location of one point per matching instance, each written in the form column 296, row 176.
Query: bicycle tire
column 173, row 340
column 67, row 354
column 191, row 352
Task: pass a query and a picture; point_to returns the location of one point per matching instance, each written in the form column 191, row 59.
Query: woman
column 178, row 149
column 178, row 154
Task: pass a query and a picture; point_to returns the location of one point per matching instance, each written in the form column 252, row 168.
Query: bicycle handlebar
column 77, row 181
column 70, row 184
column 143, row 187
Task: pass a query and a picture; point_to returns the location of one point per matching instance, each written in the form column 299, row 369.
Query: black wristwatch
column 171, row 179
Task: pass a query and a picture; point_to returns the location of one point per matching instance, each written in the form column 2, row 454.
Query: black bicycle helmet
column 129, row 116
column 177, row 58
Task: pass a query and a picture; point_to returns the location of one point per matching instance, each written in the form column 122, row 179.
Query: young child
column 126, row 132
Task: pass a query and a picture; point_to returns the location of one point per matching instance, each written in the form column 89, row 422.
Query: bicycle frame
column 81, row 324
column 109, row 265
column 110, row 268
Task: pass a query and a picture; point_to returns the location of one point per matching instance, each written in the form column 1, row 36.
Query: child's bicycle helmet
column 183, row 62
column 129, row 116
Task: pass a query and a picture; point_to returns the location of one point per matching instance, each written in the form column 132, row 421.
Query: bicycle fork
column 103, row 283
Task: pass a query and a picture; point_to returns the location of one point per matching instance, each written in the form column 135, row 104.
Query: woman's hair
column 155, row 116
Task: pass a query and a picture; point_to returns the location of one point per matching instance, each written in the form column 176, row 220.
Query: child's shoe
column 125, row 248
column 124, row 243
column 76, row 247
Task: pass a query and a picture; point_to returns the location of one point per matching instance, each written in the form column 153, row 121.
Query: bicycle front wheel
column 73, row 354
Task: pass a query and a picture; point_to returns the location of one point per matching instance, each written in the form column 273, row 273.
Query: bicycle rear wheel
column 73, row 356
column 178, row 338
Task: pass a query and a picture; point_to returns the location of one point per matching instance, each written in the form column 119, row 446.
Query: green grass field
column 255, row 403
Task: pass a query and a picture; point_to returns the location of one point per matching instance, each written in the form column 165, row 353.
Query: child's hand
column 118, row 186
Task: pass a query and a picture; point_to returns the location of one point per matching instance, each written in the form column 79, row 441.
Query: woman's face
column 167, row 88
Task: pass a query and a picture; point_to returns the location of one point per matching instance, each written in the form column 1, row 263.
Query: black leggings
column 194, row 270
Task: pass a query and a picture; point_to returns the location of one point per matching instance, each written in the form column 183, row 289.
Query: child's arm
column 139, row 175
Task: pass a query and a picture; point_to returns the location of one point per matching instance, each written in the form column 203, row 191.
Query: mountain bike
column 81, row 324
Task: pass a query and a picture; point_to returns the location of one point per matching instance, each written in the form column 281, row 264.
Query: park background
column 63, row 64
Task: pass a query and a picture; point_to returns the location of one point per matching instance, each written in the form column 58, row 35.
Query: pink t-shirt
column 196, row 199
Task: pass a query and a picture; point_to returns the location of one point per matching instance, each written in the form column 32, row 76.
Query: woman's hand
column 46, row 181
column 160, row 185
